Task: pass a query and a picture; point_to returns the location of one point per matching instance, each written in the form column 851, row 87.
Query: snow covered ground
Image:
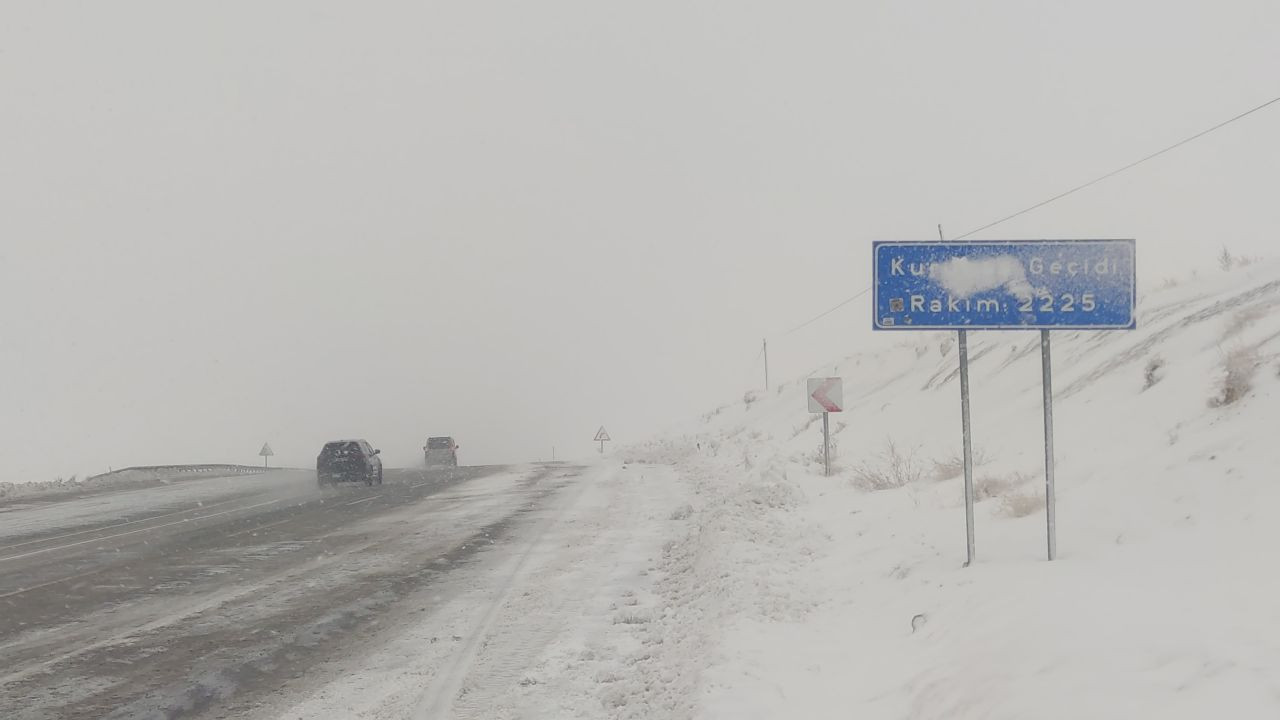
column 715, row 573
column 814, row 597
column 552, row 621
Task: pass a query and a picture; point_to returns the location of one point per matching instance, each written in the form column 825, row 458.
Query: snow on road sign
column 602, row 435
column 826, row 395
column 266, row 450
column 1004, row 285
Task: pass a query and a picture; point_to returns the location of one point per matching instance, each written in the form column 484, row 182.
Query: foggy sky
column 236, row 222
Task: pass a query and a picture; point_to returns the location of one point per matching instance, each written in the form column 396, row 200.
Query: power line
column 1117, row 171
column 827, row 312
column 1055, row 198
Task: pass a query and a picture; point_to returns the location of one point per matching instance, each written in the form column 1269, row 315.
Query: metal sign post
column 1006, row 285
column 826, row 443
column 967, row 439
column 826, row 395
column 1050, row 509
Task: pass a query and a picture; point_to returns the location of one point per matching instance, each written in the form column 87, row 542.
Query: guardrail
column 185, row 469
column 124, row 477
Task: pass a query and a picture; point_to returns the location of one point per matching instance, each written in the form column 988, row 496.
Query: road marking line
column 259, row 528
column 357, row 502
column 134, row 532
column 112, row 527
column 53, row 582
column 419, row 485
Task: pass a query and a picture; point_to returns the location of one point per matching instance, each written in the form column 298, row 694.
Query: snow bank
column 812, row 597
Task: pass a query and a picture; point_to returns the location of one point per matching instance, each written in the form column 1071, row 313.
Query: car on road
column 441, row 451
column 348, row 461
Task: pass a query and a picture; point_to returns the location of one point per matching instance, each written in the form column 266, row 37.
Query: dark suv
column 348, row 460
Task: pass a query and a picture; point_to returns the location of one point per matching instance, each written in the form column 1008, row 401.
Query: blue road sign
column 1005, row 285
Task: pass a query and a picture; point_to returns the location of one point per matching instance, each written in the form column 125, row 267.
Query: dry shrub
column 953, row 465
column 1022, row 503
column 892, row 468
column 987, row 487
column 1235, row 376
column 1154, row 372
column 1243, row 319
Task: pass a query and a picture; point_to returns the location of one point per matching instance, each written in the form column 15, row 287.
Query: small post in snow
column 765, row 350
column 1050, row 504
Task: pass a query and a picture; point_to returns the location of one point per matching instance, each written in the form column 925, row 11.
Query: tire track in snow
column 441, row 700
column 531, row 621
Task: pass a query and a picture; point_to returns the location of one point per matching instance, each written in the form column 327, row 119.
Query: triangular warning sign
column 602, row 435
column 266, row 450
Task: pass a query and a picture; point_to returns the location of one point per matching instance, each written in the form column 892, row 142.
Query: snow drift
column 814, row 597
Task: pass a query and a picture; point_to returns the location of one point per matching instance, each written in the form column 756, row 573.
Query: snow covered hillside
column 847, row 596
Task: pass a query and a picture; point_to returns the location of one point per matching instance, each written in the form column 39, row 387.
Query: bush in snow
column 1234, row 378
column 1243, row 319
column 1022, row 503
column 664, row 451
column 893, row 468
column 1154, row 372
column 816, row 457
column 953, row 465
column 987, row 487
column 749, row 397
column 1226, row 260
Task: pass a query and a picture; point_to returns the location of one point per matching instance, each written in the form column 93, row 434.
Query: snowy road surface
column 264, row 596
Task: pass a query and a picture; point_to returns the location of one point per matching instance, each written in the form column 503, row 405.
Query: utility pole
column 766, row 364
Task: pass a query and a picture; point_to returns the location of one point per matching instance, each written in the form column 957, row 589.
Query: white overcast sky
column 229, row 222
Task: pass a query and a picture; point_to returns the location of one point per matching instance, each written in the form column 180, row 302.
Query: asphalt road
column 203, row 598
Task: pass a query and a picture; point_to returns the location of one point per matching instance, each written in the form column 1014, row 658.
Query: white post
column 766, row 364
